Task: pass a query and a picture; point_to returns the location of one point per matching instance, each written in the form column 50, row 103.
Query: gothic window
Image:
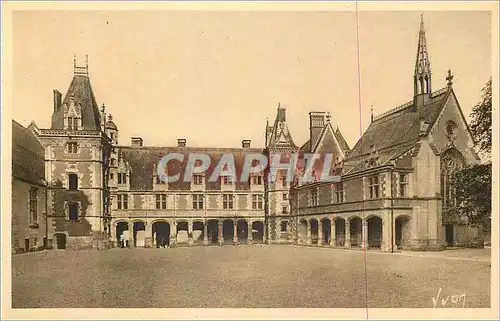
column 339, row 193
column 122, row 178
column 403, row 184
column 122, row 201
column 73, row 123
column 451, row 130
column 313, row 197
column 450, row 163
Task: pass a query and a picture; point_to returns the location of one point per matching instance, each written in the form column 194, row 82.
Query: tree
column 481, row 121
column 473, row 182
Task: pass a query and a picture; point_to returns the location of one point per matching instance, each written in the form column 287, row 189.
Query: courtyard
column 258, row 276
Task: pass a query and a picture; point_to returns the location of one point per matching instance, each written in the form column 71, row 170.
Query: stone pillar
column 308, row 228
column 221, row 235
column 332, row 234
column 173, row 234
column 190, row 233
column 205, row 234
column 320, row 233
column 347, row 233
column 364, row 234
column 235, row 232
column 250, row 233
column 148, row 240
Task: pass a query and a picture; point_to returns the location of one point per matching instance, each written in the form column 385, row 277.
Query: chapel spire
column 422, row 76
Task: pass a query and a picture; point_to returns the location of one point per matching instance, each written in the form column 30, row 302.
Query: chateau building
column 394, row 190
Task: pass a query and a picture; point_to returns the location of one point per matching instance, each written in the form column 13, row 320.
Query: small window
column 285, row 196
column 198, row 201
column 112, row 135
column 73, row 182
column 72, row 148
column 122, row 178
column 402, row 184
column 257, row 180
column 161, row 201
column 313, row 197
column 285, row 210
column 374, row 187
column 339, row 193
column 284, row 226
column 33, row 205
column 73, row 211
column 111, row 176
column 257, row 202
column 113, row 162
column 227, row 180
column 227, row 201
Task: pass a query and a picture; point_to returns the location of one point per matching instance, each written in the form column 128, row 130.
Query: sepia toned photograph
column 270, row 158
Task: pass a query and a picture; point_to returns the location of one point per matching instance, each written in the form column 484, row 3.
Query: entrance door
column 27, row 245
column 61, row 241
column 449, row 235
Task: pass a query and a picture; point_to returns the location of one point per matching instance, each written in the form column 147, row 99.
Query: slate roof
column 305, row 148
column 396, row 131
column 142, row 162
column 28, row 155
column 81, row 88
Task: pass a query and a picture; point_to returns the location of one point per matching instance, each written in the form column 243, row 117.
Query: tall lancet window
column 451, row 162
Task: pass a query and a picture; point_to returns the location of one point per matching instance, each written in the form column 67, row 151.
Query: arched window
column 72, row 182
column 73, row 211
column 451, row 161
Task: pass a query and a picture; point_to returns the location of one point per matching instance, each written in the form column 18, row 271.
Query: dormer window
column 227, row 180
column 198, row 179
column 73, row 123
column 257, row 180
column 122, row 178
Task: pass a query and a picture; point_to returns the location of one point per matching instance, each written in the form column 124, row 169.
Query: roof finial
column 87, row 62
column 110, row 117
column 449, row 79
column 422, row 29
column 74, row 60
column 279, row 105
column 328, row 116
column 371, row 109
column 103, row 108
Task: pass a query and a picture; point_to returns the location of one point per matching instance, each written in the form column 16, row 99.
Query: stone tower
column 279, row 143
column 77, row 154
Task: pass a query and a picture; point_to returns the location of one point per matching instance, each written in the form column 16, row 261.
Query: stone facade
column 394, row 192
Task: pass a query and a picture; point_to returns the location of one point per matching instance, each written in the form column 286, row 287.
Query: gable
column 451, row 129
column 328, row 143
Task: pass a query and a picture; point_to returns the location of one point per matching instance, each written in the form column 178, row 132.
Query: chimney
column 245, row 143
column 57, row 100
column 316, row 124
column 181, row 142
column 137, row 142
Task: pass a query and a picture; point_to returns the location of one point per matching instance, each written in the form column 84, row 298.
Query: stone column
column 250, row 233
column 173, row 234
column 320, row 233
column 364, row 234
column 205, row 234
column 308, row 228
column 148, row 240
column 235, row 232
column 190, row 233
column 347, row 233
column 332, row 234
column 221, row 238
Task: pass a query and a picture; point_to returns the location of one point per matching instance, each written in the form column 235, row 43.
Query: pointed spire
column 422, row 75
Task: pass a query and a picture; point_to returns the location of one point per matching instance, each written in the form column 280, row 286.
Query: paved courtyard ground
column 250, row 277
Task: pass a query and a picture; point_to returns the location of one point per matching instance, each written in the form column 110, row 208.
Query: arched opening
column 339, row 232
column 242, row 229
column 303, row 231
column 139, row 230
column 374, row 232
column 356, row 231
column 402, row 231
column 122, row 234
column 213, row 231
column 227, row 231
column 73, row 182
column 326, row 228
column 314, row 231
column 421, row 82
column 182, row 232
column 60, row 240
column 258, row 232
column 161, row 234
column 198, row 232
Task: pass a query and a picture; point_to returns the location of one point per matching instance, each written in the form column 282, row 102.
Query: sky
column 214, row 77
